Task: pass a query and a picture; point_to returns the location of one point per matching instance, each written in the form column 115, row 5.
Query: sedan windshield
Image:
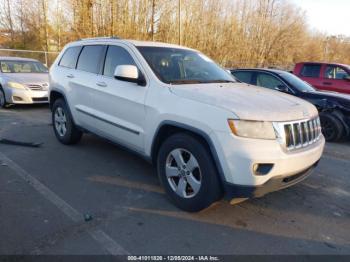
column 22, row 67
column 180, row 66
column 296, row 82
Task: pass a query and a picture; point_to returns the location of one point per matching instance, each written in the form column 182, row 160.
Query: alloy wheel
column 327, row 129
column 183, row 173
column 60, row 121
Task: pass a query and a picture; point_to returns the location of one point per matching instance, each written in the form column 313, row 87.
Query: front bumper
column 239, row 156
column 22, row 96
column 274, row 184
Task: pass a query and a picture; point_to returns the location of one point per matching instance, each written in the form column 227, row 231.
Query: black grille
column 40, row 99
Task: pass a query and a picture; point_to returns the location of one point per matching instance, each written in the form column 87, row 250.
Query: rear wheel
column 65, row 130
column 332, row 128
column 187, row 173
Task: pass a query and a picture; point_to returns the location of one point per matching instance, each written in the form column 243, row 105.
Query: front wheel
column 3, row 102
column 332, row 128
column 187, row 173
column 65, row 130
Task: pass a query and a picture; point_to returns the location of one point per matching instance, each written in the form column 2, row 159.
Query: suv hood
column 28, row 78
column 248, row 102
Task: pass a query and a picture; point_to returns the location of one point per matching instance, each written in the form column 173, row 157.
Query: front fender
column 338, row 114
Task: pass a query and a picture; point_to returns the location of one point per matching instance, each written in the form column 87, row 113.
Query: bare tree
column 45, row 23
column 236, row 33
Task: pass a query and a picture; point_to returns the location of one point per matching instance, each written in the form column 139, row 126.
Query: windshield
column 180, row 66
column 297, row 82
column 22, row 67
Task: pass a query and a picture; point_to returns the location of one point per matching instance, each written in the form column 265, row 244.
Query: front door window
column 335, row 72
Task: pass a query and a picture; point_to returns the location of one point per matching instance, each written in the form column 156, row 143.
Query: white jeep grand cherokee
column 208, row 135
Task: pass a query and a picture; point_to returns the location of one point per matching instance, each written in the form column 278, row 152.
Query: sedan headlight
column 15, row 85
column 252, row 129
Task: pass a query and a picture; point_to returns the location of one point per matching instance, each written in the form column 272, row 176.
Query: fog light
column 262, row 169
column 17, row 98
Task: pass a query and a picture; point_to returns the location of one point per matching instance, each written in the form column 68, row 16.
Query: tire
column 3, row 103
column 65, row 130
column 197, row 181
column 332, row 127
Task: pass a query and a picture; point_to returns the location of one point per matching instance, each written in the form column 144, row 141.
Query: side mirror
column 129, row 73
column 282, row 88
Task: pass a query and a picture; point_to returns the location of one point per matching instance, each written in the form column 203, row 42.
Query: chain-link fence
column 46, row 58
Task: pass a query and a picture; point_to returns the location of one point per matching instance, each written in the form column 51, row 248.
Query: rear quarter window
column 311, row 71
column 70, row 57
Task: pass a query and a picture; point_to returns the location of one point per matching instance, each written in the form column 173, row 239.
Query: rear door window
column 243, row 76
column 90, row 58
column 311, row 71
column 70, row 56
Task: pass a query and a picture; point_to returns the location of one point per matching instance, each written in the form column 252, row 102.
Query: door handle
column 327, row 83
column 70, row 76
column 101, row 84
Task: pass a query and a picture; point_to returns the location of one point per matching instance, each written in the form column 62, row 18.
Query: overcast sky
column 328, row 16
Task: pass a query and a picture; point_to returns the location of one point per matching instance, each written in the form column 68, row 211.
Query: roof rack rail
column 100, row 37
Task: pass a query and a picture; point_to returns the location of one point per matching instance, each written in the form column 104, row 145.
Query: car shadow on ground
column 308, row 197
column 18, row 107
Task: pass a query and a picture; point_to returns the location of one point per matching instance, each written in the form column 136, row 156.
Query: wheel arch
column 3, row 91
column 168, row 128
column 340, row 116
column 326, row 106
column 2, row 87
column 56, row 94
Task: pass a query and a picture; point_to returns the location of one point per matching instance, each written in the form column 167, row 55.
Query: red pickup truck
column 325, row 76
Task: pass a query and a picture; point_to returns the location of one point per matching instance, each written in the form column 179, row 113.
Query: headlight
column 15, row 85
column 252, row 129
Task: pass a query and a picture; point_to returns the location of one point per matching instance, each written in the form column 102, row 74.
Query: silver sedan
column 23, row 81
